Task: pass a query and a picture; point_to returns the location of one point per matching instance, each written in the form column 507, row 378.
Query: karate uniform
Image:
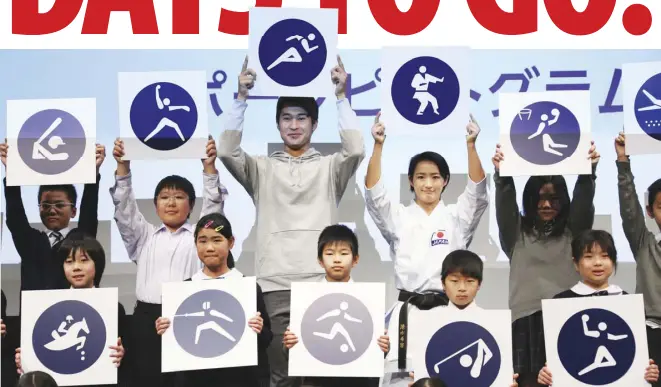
column 418, row 245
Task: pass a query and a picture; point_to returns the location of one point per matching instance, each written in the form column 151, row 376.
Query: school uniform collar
column 323, row 279
column 472, row 305
column 186, row 227
column 93, row 287
column 584, row 290
column 230, row 274
column 64, row 232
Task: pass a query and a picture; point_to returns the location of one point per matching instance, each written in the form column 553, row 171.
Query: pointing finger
column 339, row 62
column 245, row 64
column 377, row 117
column 473, row 119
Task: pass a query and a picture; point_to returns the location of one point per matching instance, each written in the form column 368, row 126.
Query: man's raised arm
column 239, row 164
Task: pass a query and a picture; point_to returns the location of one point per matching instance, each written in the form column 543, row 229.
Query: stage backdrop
column 94, row 74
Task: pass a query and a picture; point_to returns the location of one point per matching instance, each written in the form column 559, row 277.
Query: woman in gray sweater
column 537, row 242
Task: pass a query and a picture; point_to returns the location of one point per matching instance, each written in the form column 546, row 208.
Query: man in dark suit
column 57, row 206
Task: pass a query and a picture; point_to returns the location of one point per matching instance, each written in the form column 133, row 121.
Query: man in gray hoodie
column 296, row 192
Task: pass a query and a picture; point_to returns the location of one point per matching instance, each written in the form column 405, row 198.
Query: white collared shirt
column 582, row 289
column 200, row 276
column 420, row 242
column 472, row 305
column 323, row 279
column 162, row 256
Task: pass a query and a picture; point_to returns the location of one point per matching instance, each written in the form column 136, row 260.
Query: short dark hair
column 463, row 262
column 217, row 220
column 176, row 182
column 77, row 240
column 36, row 379
column 433, row 157
column 429, row 382
column 68, row 189
column 653, row 190
column 531, row 198
column 337, row 233
column 585, row 241
column 308, row 104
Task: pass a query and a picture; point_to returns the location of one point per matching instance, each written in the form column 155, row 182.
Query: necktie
column 601, row 293
column 57, row 236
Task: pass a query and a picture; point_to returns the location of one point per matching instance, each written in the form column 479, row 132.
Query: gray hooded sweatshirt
column 295, row 197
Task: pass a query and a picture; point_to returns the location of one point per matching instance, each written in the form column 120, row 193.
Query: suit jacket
column 38, row 269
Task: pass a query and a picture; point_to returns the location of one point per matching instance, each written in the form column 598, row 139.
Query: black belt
column 424, row 301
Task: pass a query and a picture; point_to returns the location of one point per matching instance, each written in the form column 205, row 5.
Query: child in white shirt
column 337, row 252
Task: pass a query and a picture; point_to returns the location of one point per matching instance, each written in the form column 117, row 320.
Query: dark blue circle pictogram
column 337, row 329
column 647, row 107
column 463, row 354
column 51, row 141
column 425, row 90
column 209, row 323
column 163, row 116
column 293, row 52
column 69, row 337
column 545, row 133
column 596, row 347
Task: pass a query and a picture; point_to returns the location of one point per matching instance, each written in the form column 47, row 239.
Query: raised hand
column 118, row 151
column 247, row 80
column 123, row 166
column 100, row 156
column 339, row 77
column 472, row 130
column 378, row 130
column 210, row 162
column 497, row 158
column 620, row 146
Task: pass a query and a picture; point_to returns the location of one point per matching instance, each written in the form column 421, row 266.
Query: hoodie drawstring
column 295, row 171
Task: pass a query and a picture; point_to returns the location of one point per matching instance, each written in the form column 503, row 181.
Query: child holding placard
column 337, row 253
column 595, row 259
column 461, row 276
column 214, row 240
column 83, row 261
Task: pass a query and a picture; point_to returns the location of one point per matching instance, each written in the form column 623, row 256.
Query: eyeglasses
column 45, row 206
